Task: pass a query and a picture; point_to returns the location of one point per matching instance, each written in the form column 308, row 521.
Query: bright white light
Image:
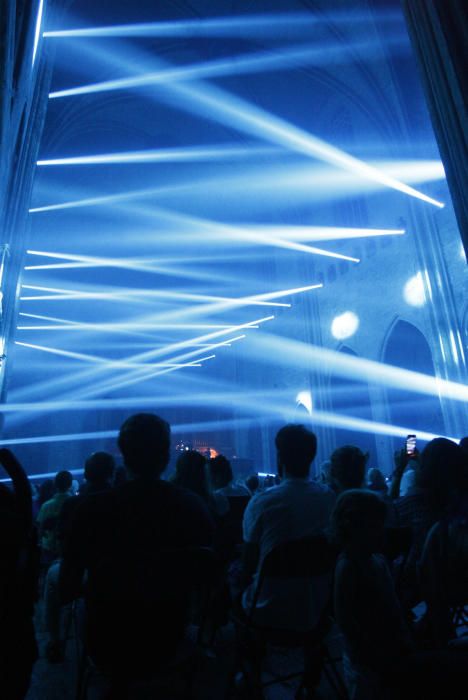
column 324, row 233
column 108, row 364
column 244, row 64
column 37, row 32
column 166, row 155
column 220, row 105
column 323, row 418
column 304, row 398
column 345, row 325
column 414, row 292
column 111, row 327
column 259, row 25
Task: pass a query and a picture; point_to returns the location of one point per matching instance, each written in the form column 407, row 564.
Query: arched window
column 407, row 348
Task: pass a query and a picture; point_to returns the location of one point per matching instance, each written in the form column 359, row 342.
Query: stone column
column 439, row 34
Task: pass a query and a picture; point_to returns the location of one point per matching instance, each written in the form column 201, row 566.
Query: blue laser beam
column 256, row 24
column 217, row 104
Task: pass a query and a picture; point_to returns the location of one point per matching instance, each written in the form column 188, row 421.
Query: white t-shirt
column 408, row 482
column 296, row 508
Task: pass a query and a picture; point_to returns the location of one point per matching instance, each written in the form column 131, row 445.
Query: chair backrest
column 305, row 558
column 302, row 558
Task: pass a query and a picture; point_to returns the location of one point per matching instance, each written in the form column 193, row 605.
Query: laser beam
column 263, row 25
column 219, row 105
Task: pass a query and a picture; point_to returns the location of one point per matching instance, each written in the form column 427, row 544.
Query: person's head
column 144, row 441
column 220, row 472
column 63, row 481
column 296, row 448
column 357, row 521
column 348, row 468
column 99, row 469
column 443, row 472
column 252, row 482
column 191, row 473
column 376, row 480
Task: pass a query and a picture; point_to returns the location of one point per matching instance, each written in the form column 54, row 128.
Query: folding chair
column 304, row 560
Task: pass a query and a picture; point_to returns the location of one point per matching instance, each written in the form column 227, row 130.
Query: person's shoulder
column 45, row 508
column 183, row 498
column 262, row 497
column 90, row 504
column 319, row 490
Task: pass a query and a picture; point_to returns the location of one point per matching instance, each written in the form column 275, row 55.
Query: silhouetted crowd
column 146, row 571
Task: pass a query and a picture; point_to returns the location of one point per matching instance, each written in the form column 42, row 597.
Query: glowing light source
column 345, row 325
column 413, row 292
column 304, row 398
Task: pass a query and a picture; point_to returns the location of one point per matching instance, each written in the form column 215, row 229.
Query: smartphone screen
column 410, row 444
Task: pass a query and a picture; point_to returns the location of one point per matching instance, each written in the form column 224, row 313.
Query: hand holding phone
column 410, row 445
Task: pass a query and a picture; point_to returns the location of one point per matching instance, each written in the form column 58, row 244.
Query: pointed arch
column 406, row 347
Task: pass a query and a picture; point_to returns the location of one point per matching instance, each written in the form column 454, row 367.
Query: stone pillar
column 24, row 92
column 439, row 34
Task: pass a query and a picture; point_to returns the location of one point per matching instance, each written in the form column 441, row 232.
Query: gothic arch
column 406, row 347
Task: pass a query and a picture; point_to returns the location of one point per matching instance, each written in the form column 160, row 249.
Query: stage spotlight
column 413, row 292
column 304, row 398
column 345, row 325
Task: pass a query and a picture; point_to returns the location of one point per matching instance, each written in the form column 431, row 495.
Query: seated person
column 222, row 478
column 379, row 651
column 347, row 468
column 98, row 472
column 231, row 501
column 296, row 508
column 443, row 567
column 440, row 467
column 191, row 473
column 376, row 482
column 252, row 482
column 132, row 541
column 48, row 515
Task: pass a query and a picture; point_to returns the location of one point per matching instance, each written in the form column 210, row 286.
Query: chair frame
column 303, row 558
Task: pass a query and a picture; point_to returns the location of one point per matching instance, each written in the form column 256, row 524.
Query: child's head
column 358, row 520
